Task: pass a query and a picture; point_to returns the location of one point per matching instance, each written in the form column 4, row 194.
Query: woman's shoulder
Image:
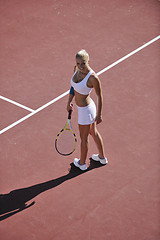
column 92, row 79
column 94, row 76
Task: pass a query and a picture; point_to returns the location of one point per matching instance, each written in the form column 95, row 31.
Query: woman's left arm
column 97, row 86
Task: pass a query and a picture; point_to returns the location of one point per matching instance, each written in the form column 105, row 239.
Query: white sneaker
column 77, row 164
column 96, row 157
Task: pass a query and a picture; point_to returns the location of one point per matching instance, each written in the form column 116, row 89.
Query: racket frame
column 69, row 129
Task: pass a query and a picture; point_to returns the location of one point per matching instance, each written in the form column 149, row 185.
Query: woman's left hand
column 98, row 119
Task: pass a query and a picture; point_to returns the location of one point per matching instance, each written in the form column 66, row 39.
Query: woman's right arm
column 70, row 98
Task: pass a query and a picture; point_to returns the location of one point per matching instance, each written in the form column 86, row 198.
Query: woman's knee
column 84, row 141
column 93, row 130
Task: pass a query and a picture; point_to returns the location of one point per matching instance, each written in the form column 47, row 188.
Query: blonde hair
column 83, row 55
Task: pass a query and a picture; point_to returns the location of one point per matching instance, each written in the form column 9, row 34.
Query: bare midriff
column 82, row 100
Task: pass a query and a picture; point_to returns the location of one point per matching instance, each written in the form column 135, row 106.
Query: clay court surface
column 43, row 196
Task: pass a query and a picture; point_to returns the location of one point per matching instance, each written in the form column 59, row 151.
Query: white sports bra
column 81, row 87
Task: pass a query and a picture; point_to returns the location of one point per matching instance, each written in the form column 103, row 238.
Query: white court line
column 31, row 114
column 128, row 55
column 64, row 94
column 16, row 103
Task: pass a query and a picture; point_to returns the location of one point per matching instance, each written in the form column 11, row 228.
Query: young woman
column 82, row 83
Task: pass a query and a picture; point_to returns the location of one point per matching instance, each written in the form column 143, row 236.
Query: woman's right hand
column 70, row 107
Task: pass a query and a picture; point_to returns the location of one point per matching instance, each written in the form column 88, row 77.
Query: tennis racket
column 66, row 140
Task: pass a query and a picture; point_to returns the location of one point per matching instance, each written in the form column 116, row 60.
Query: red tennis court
column 43, row 196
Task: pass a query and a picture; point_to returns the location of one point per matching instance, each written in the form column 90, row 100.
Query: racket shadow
column 15, row 201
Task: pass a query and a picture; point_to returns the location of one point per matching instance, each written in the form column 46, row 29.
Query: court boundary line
column 17, row 104
column 67, row 92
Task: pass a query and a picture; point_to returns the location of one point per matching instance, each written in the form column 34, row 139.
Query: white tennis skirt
column 87, row 114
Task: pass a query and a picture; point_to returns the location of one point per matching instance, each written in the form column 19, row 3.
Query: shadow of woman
column 16, row 200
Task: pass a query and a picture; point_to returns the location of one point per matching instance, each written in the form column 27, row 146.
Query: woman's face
column 82, row 64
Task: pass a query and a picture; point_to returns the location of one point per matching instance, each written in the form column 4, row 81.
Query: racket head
column 66, row 142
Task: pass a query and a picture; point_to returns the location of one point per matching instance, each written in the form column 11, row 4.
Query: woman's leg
column 98, row 139
column 84, row 134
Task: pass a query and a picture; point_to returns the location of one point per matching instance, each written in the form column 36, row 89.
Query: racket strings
column 66, row 142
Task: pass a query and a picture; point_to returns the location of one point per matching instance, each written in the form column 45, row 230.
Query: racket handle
column 69, row 114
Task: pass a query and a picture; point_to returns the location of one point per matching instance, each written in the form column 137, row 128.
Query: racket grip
column 69, row 114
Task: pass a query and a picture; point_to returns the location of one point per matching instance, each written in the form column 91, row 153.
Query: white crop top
column 81, row 87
